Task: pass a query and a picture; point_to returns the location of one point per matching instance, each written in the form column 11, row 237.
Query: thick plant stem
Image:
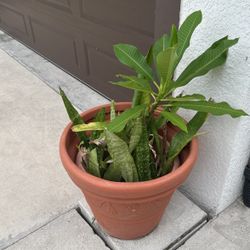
column 136, row 98
column 137, row 95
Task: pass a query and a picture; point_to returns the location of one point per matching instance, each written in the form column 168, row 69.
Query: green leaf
column 153, row 167
column 221, row 108
column 181, row 139
column 136, row 98
column 113, row 173
column 185, row 32
column 93, row 165
column 157, row 140
column 159, row 122
column 135, row 136
column 194, row 97
column 213, row 57
column 112, row 111
column 175, row 119
column 89, row 126
column 173, row 36
column 74, row 116
column 142, row 156
column 150, row 56
column 120, row 121
column 133, row 82
column 146, row 99
column 130, row 56
column 165, row 64
column 121, row 156
column 100, row 116
column 116, row 125
column 160, row 45
column 139, row 97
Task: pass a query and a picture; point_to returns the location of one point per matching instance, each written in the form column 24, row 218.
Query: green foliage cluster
column 129, row 146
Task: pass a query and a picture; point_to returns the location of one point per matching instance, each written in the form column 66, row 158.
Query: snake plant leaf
column 213, row 57
column 221, row 108
column 142, row 156
column 102, row 163
column 185, row 32
column 133, row 82
column 153, row 167
column 175, row 119
column 113, row 173
column 74, row 116
column 118, row 124
column 100, row 116
column 89, row 126
column 118, row 149
column 131, row 56
column 160, row 45
column 135, row 134
column 181, row 139
column 165, row 64
column 112, row 111
column 93, row 165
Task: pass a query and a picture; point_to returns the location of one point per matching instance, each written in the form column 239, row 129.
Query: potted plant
column 129, row 158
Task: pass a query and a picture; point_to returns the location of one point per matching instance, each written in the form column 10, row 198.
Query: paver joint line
column 91, row 224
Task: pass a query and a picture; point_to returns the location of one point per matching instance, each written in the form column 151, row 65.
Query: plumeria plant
column 132, row 146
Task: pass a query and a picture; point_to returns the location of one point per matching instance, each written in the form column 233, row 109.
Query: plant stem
column 156, row 85
column 136, row 98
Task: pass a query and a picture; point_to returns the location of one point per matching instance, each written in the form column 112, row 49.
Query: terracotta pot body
column 125, row 210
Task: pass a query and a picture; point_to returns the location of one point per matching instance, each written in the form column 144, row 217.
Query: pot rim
column 128, row 187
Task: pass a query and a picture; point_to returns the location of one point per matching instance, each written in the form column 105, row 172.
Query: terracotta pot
column 125, row 210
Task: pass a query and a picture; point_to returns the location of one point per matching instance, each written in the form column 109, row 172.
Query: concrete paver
column 69, row 231
column 229, row 231
column 34, row 186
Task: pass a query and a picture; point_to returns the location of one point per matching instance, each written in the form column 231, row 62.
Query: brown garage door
column 78, row 35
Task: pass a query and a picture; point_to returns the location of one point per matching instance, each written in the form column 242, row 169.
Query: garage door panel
column 60, row 47
column 104, row 66
column 131, row 14
column 78, row 35
column 15, row 21
column 104, row 38
column 103, row 69
column 16, row 4
column 55, row 5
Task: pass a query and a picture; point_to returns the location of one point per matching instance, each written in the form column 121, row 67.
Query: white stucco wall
column 216, row 181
